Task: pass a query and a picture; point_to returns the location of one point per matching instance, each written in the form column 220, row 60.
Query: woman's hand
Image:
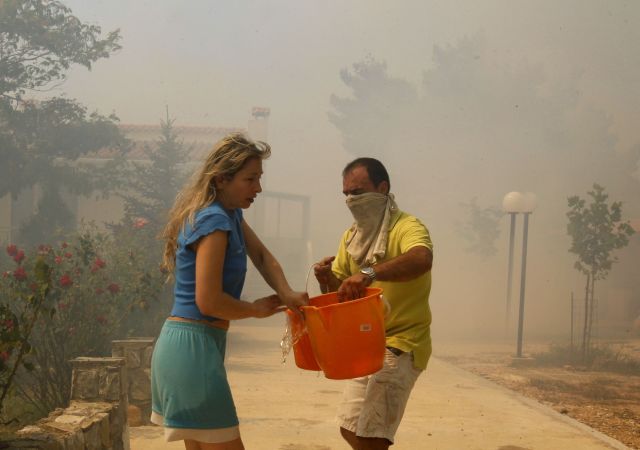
column 267, row 306
column 294, row 300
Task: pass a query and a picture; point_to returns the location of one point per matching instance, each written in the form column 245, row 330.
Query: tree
column 596, row 230
column 484, row 119
column 40, row 141
column 40, row 40
column 481, row 229
column 380, row 109
column 150, row 188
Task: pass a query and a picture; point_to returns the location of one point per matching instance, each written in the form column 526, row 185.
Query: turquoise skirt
column 189, row 386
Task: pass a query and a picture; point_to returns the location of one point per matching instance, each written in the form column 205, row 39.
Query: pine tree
column 152, row 185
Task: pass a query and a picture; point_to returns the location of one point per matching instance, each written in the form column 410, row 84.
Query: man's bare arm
column 408, row 266
column 417, row 261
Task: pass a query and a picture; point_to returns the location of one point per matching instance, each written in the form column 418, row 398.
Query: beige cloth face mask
column 372, row 213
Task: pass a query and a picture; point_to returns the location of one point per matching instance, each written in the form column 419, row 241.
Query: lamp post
column 511, row 204
column 514, row 203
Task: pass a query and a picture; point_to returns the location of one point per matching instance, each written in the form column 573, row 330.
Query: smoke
column 461, row 100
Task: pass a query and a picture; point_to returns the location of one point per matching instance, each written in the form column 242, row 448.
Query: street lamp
column 514, row 203
column 511, row 204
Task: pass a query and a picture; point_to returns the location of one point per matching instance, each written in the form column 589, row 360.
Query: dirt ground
column 608, row 402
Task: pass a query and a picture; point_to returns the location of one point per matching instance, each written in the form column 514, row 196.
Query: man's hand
column 322, row 271
column 354, row 287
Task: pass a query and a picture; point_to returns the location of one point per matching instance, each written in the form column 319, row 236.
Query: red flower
column 101, row 320
column 4, row 356
column 18, row 257
column 64, row 245
column 68, row 255
column 98, row 264
column 58, row 259
column 99, row 291
column 12, row 249
column 140, row 222
column 65, row 280
column 33, row 286
column 113, row 288
column 8, row 324
column 44, row 249
column 62, row 306
column 19, row 274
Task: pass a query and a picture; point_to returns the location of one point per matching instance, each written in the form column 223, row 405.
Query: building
column 281, row 219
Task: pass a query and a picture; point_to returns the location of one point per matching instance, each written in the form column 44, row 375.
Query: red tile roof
column 197, row 140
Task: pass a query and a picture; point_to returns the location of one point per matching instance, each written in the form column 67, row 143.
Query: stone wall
column 81, row 426
column 96, row 417
column 137, row 354
column 107, row 395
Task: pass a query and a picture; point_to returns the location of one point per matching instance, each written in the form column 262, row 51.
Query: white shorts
column 373, row 406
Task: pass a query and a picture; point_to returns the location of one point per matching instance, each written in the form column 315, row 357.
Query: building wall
column 99, row 210
column 14, row 212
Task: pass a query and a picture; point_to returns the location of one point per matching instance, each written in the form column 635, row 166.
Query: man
column 390, row 249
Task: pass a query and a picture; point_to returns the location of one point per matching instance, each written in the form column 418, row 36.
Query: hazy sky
column 212, row 61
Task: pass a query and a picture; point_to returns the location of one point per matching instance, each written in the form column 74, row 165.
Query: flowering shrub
column 19, row 315
column 70, row 299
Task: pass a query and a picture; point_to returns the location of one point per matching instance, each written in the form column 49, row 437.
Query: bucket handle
column 306, row 283
column 386, row 305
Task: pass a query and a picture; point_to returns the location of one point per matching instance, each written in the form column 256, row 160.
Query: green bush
column 71, row 299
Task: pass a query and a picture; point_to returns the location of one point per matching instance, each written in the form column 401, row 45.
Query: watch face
column 368, row 271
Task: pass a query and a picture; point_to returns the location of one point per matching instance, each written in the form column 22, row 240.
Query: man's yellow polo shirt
column 408, row 324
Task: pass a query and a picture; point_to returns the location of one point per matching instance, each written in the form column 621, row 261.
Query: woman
column 207, row 243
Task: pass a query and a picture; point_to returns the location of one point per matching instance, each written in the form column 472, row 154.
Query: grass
column 600, row 358
column 593, row 390
column 552, row 385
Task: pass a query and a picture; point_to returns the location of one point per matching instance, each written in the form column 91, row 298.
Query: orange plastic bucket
column 347, row 338
column 302, row 350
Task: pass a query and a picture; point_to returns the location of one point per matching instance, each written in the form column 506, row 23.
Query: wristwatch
column 368, row 271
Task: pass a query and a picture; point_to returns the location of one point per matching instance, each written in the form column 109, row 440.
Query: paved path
column 284, row 408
